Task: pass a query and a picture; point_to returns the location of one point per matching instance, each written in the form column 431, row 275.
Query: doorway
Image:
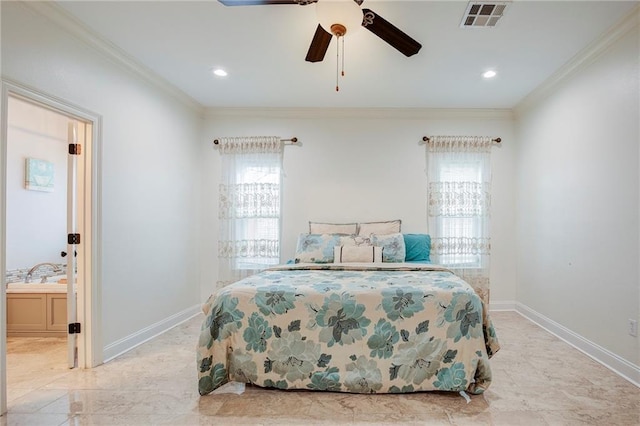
column 55, row 246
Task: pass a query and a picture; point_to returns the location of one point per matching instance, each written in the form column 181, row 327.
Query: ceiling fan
column 322, row 38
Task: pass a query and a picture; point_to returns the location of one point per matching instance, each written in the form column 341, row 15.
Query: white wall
column 364, row 165
column 578, row 204
column 36, row 221
column 149, row 174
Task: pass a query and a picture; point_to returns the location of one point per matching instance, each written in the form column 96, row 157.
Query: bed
column 359, row 327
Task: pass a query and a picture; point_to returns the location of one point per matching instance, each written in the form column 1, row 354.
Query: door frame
column 89, row 296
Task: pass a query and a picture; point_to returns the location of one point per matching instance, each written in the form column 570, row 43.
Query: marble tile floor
column 538, row 380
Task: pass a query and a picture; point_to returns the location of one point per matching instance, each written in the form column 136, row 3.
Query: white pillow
column 381, row 228
column 332, row 228
column 351, row 254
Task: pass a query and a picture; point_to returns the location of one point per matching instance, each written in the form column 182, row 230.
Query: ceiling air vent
column 482, row 15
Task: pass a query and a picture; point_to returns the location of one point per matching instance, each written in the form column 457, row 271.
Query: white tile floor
column 538, row 380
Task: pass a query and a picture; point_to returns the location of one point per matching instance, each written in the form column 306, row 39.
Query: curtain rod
column 292, row 140
column 496, row 140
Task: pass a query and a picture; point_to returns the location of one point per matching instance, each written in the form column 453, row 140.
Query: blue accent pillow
column 418, row 247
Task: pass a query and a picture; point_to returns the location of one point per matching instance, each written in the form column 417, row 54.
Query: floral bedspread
column 348, row 327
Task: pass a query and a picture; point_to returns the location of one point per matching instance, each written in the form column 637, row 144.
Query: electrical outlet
column 633, row 328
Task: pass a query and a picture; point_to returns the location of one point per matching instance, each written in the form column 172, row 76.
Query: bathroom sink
column 60, row 279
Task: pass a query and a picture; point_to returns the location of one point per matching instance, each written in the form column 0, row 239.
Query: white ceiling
column 263, row 49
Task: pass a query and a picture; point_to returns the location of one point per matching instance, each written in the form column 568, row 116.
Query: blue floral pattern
column 393, row 248
column 401, row 302
column 391, row 329
column 276, row 300
column 341, row 320
column 318, row 248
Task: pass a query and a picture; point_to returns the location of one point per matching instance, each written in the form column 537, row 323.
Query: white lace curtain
column 459, row 206
column 249, row 206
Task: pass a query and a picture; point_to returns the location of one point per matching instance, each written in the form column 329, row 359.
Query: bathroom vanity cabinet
column 36, row 314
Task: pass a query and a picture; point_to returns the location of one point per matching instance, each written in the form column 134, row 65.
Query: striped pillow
column 360, row 254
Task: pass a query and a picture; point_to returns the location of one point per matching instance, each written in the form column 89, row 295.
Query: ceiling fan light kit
column 339, row 18
column 338, row 30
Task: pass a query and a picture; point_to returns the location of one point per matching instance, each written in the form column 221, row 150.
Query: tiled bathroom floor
column 538, row 380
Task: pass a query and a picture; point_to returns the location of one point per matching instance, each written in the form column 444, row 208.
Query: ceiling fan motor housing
column 338, row 30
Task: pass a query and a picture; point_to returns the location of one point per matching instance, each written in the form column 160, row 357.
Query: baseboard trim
column 502, row 305
column 125, row 344
column 613, row 362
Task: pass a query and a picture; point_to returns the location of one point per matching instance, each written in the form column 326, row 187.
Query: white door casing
column 86, row 222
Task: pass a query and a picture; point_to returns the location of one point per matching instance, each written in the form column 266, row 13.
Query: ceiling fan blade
column 390, row 33
column 319, row 45
column 264, row 2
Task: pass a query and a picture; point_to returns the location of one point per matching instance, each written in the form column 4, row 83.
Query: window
column 459, row 170
column 249, row 206
column 462, row 223
column 259, row 231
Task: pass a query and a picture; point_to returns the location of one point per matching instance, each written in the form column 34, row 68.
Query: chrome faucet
column 27, row 278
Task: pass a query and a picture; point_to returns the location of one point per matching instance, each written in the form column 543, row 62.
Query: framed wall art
column 39, row 175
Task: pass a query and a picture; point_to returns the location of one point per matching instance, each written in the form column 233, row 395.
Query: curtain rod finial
column 216, row 141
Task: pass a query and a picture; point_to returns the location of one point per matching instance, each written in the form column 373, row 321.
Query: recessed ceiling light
column 220, row 72
column 489, row 74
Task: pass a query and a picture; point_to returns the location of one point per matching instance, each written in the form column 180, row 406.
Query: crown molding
column 580, row 61
column 377, row 113
column 57, row 14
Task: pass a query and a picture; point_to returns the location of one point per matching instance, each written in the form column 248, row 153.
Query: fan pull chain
column 337, row 62
column 343, row 56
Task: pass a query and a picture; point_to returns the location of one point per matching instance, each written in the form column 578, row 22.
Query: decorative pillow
column 332, row 228
column 393, row 248
column 359, row 240
column 381, row 228
column 350, row 254
column 318, row 248
column 418, row 247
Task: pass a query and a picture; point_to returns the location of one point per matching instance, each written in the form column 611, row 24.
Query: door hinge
column 74, row 328
column 73, row 239
column 75, row 149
